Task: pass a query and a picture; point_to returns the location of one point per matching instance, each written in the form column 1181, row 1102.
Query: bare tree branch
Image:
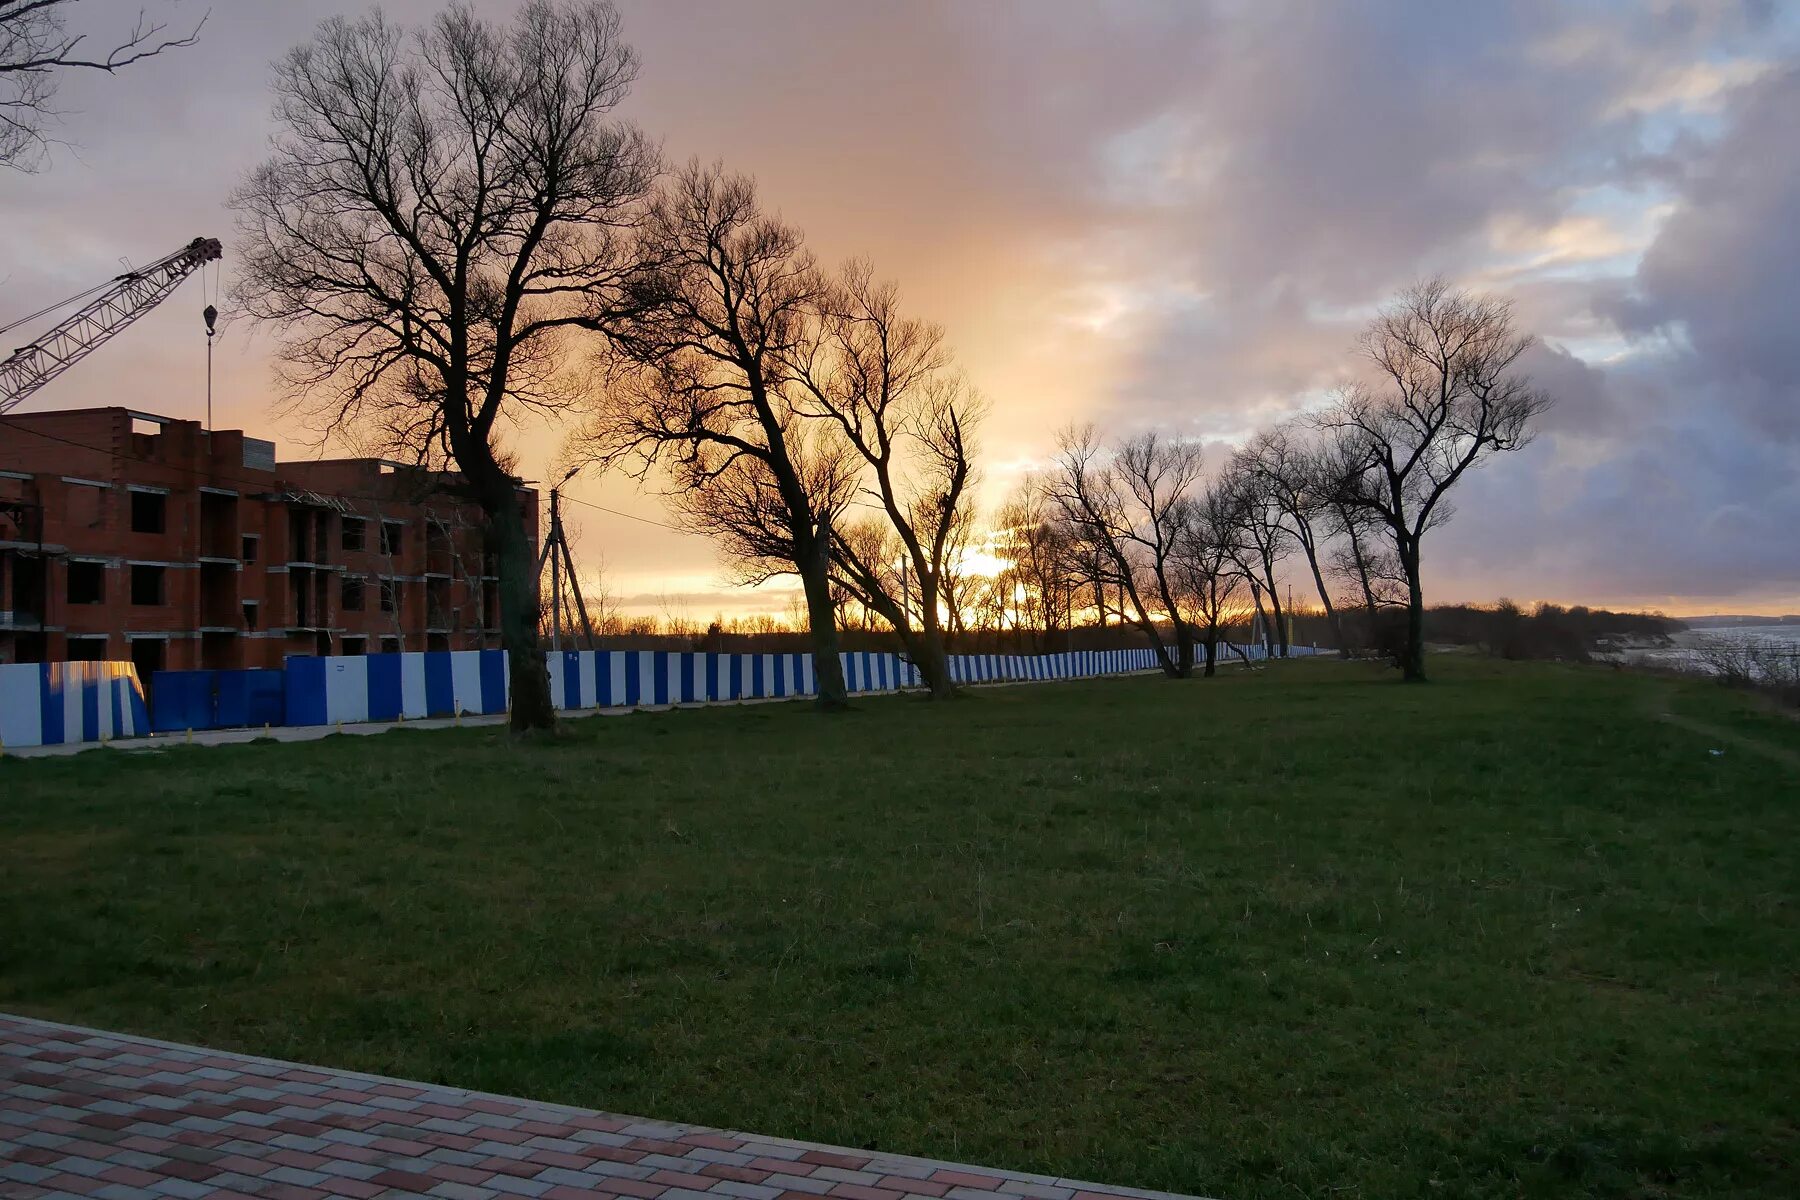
column 36, row 47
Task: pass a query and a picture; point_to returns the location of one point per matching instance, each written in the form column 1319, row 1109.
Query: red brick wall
column 437, row 575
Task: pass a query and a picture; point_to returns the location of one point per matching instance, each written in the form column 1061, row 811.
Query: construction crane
column 120, row 302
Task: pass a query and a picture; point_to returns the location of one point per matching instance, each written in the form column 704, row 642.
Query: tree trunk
column 932, row 654
column 934, row 667
column 821, row 619
column 1184, row 649
column 530, row 676
column 1331, row 613
column 1368, row 589
column 1412, row 663
column 1212, row 653
column 1281, row 631
column 1262, row 618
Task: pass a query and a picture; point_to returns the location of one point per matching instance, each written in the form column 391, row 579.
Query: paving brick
column 451, row 1190
column 967, row 1179
column 410, row 1180
column 845, row 1175
column 616, row 1186
column 857, row 1191
column 123, row 1117
column 827, row 1158
column 1037, row 1191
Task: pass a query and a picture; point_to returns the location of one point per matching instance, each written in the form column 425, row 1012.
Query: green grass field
column 1297, row 932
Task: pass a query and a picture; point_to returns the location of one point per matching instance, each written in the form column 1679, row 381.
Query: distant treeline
column 1508, row 630
column 1505, row 630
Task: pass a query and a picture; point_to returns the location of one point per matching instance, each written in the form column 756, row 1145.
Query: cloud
column 1160, row 212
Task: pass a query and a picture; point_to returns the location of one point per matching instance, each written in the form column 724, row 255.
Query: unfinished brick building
column 125, row 535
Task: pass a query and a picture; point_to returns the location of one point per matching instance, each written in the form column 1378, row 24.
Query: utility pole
column 555, row 569
column 557, row 557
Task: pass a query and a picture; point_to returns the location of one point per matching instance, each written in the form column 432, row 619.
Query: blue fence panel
column 250, row 698
column 182, row 700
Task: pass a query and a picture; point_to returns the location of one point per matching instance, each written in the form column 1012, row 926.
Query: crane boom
column 129, row 297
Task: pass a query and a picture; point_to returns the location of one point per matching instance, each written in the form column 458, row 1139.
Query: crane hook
column 211, row 315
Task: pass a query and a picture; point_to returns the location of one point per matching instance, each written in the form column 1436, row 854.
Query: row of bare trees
column 1339, row 500
column 456, row 236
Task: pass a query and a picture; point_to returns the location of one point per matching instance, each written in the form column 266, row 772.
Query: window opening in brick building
column 146, row 585
column 87, row 582
column 148, row 512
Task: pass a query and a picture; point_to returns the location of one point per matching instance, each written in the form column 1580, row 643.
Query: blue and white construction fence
column 387, row 687
column 50, row 704
column 55, row 703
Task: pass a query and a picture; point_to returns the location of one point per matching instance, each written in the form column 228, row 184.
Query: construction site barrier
column 53, row 704
column 56, row 703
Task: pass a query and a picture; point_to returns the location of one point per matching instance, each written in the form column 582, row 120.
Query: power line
column 628, row 516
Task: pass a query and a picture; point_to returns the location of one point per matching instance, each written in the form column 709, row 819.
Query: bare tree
column 441, row 213
column 1260, row 542
column 699, row 386
column 36, row 47
column 1042, row 576
column 1447, row 393
column 1299, row 482
column 882, row 381
column 1127, row 506
column 1206, row 570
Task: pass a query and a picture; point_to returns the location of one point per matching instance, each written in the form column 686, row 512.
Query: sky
column 1172, row 215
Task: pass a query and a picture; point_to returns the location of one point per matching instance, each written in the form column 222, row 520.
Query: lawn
column 1301, row 931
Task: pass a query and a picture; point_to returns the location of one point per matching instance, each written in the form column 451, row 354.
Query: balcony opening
column 218, row 525
column 299, row 535
column 355, row 534
column 219, row 594
column 27, row 591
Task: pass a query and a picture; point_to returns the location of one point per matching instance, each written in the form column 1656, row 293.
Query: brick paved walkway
column 87, row 1113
